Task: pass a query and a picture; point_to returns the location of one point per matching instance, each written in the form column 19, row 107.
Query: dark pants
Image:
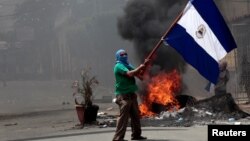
column 128, row 108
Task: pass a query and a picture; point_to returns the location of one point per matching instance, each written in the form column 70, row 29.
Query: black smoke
column 144, row 22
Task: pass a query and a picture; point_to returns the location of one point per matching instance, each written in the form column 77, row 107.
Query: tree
column 40, row 17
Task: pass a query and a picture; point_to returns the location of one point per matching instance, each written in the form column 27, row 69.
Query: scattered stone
column 103, row 126
column 237, row 123
column 180, row 119
column 231, row 119
column 209, row 113
column 110, row 108
column 10, row 124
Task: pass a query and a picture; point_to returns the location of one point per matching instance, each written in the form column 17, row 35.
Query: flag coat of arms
column 202, row 37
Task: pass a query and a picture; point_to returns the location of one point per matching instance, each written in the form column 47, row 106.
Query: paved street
column 153, row 134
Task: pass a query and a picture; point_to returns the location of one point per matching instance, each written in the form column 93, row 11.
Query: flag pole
column 164, row 35
column 160, row 42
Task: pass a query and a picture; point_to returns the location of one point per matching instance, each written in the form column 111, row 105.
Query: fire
column 161, row 90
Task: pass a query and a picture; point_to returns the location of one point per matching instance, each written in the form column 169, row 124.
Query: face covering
column 122, row 57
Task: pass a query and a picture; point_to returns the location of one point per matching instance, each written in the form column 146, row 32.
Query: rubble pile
column 105, row 120
column 207, row 111
column 222, row 107
column 214, row 110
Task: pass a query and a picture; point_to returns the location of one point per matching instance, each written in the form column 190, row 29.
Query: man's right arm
column 141, row 69
column 136, row 71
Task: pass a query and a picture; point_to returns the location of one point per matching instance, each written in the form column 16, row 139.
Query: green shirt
column 123, row 83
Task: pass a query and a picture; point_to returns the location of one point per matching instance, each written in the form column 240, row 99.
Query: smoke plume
column 144, row 23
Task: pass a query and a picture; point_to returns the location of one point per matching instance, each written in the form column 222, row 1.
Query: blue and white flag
column 202, row 37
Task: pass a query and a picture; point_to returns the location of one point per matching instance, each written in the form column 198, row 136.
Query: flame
column 161, row 90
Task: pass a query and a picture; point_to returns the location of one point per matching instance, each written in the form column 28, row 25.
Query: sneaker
column 139, row 138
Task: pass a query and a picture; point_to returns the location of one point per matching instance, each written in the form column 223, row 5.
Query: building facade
column 237, row 15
